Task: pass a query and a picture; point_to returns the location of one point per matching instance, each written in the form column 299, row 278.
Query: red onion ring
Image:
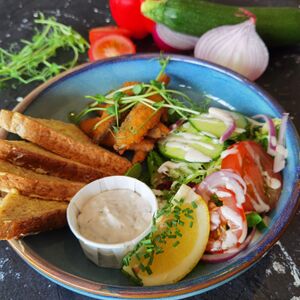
column 227, row 118
column 230, row 253
column 169, row 40
column 176, row 124
column 282, row 129
column 165, row 185
column 279, row 159
column 226, row 178
column 272, row 140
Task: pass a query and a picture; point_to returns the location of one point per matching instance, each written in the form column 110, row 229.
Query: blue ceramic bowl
column 57, row 254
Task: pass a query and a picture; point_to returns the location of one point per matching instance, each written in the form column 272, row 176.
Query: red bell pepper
column 127, row 14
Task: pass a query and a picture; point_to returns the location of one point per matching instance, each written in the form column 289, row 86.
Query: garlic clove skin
column 237, row 47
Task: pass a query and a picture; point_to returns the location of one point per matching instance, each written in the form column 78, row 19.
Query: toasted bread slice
column 32, row 184
column 20, row 215
column 60, row 138
column 30, row 156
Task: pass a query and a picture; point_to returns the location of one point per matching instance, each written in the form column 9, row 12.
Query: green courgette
column 278, row 26
column 190, row 147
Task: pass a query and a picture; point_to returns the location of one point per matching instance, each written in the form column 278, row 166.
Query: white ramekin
column 107, row 255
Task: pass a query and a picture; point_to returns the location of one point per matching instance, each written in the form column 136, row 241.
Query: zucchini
column 278, row 26
column 216, row 127
column 190, row 147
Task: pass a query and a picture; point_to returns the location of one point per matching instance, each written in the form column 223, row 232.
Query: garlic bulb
column 237, row 47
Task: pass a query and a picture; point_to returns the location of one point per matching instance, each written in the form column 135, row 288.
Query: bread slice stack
column 46, row 171
column 21, row 215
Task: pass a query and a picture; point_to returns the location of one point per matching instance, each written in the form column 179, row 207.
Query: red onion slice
column 282, row 129
column 230, row 253
column 176, row 124
column 272, row 140
column 169, row 40
column 227, row 118
column 226, row 178
column 281, row 152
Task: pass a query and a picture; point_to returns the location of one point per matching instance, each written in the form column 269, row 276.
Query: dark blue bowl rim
column 186, row 287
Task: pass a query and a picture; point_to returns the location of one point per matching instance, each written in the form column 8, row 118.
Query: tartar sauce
column 114, row 216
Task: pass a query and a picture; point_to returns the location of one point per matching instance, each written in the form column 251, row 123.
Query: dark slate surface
column 276, row 276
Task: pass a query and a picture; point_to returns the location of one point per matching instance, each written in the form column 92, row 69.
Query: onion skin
column 272, row 140
column 176, row 124
column 227, row 119
column 161, row 44
column 230, row 253
column 171, row 41
column 238, row 185
column 282, row 129
column 279, row 159
column 229, row 131
column 237, row 47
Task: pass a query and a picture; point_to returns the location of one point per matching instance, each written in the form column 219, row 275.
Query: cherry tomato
column 109, row 46
column 227, row 222
column 127, row 14
column 255, row 166
column 98, row 32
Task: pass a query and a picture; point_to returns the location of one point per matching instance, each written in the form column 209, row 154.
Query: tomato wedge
column 109, row 46
column 98, row 32
column 255, row 166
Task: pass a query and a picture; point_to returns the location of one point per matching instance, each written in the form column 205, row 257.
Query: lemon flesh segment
column 176, row 262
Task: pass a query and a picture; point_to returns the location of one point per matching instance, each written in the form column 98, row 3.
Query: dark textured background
column 275, row 276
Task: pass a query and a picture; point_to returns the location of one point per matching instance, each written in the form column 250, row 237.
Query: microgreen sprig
column 34, row 62
column 118, row 102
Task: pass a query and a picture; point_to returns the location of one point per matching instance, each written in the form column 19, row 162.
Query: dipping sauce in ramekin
column 114, row 216
column 110, row 216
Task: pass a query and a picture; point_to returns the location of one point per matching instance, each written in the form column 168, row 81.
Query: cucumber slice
column 187, row 127
column 191, row 147
column 216, row 127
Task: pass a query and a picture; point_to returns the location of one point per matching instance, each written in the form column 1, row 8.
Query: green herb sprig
column 34, row 62
column 118, row 102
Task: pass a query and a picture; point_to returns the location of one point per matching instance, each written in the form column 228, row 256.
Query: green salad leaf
column 255, row 220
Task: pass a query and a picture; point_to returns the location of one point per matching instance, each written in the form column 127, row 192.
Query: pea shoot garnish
column 36, row 60
column 120, row 101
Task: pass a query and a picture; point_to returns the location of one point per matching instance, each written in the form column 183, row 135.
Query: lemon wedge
column 179, row 255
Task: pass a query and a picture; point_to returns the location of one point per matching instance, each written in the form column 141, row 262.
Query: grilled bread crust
column 32, row 184
column 59, row 138
column 35, row 158
column 20, row 216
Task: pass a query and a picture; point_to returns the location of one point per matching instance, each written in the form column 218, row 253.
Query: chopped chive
column 172, row 236
column 154, row 228
column 194, row 204
column 148, row 270
column 147, row 242
column 142, row 267
column 189, row 216
column 176, row 244
column 178, row 233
